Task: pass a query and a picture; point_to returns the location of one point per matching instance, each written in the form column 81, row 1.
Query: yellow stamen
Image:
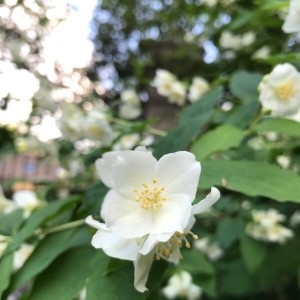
column 285, row 90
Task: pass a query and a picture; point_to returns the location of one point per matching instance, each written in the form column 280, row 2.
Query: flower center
column 177, row 240
column 150, row 195
column 285, row 90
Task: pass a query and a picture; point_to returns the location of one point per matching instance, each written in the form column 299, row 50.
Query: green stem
column 129, row 124
column 60, row 227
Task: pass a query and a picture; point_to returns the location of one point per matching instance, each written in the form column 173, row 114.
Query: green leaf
column 283, row 126
column 47, row 250
column 65, row 277
column 191, row 124
column 11, row 222
column 38, row 218
column 5, row 272
column 228, row 231
column 195, row 262
column 205, row 105
column 113, row 286
column 243, row 115
column 251, row 178
column 222, row 138
column 244, row 85
column 235, row 280
column 253, row 252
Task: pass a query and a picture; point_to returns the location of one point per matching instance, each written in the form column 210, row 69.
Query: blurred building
column 27, row 167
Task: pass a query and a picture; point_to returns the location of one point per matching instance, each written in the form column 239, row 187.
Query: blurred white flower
column 177, row 93
column 266, row 227
column 295, row 218
column 262, row 52
column 130, row 96
column 71, row 121
column 96, row 127
column 211, row 249
column 230, row 41
column 163, row 82
column 209, row 3
column 130, row 107
column 283, row 161
column 198, row 87
column 129, row 112
column 148, row 212
column 127, row 142
column 279, row 91
column 248, row 39
column 181, row 285
column 21, row 255
column 292, row 20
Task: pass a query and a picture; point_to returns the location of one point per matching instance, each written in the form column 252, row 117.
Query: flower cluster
column 169, row 86
column 130, row 107
column 265, row 226
column 181, row 285
column 280, row 90
column 148, row 211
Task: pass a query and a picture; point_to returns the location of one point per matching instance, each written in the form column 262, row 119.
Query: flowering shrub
column 128, row 215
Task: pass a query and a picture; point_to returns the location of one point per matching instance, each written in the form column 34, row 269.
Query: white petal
column 207, row 202
column 125, row 217
column 142, row 268
column 104, row 167
column 179, row 173
column 115, row 246
column 152, row 239
column 94, row 223
column 172, row 216
column 132, row 169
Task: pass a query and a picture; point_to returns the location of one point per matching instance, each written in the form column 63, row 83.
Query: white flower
column 177, row 93
column 148, row 196
column 96, row 127
column 130, row 96
column 27, row 200
column 262, row 52
column 71, row 121
column 230, row 41
column 295, row 218
column 129, row 112
column 148, row 211
column 181, row 285
column 211, row 249
column 163, row 82
column 248, row 38
column 266, row 227
column 6, row 206
column 283, row 161
column 209, row 3
column 21, row 255
column 199, row 87
column 127, row 141
column 292, row 21
column 280, row 90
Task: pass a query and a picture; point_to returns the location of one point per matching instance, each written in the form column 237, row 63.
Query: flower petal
column 152, row 239
column 115, row 246
column 179, row 173
column 142, row 268
column 172, row 216
column 104, row 167
column 125, row 216
column 132, row 169
column 207, row 202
